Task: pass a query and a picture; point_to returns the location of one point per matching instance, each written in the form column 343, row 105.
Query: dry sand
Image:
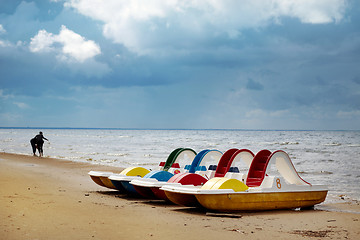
column 43, row 198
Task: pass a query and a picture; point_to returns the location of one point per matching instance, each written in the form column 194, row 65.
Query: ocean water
column 331, row 158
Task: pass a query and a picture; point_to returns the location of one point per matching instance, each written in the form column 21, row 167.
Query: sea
column 329, row 158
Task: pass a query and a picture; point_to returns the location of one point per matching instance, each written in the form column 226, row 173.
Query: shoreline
column 48, row 198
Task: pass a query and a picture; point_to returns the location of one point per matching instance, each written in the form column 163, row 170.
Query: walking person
column 33, row 145
column 38, row 142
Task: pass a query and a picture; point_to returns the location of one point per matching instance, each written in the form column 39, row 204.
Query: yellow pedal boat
column 261, row 191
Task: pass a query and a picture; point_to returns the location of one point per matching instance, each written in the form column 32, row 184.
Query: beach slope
column 43, row 198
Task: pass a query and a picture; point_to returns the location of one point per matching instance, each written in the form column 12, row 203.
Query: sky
column 180, row 64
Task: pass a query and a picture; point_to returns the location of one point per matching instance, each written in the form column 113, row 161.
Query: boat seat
column 234, row 169
column 223, row 164
column 200, row 168
column 213, row 167
column 258, row 169
column 210, row 173
column 221, row 171
column 175, row 165
column 235, row 175
column 253, row 182
column 175, row 168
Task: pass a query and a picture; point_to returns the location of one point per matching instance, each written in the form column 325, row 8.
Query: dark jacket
column 39, row 138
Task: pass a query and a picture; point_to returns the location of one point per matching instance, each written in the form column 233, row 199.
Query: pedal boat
column 172, row 164
column 229, row 164
column 152, row 182
column 261, row 192
column 102, row 178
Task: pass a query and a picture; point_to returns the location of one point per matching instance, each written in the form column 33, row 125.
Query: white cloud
column 3, row 96
column 72, row 46
column 76, row 46
column 2, row 29
column 3, row 43
column 42, row 42
column 21, row 105
column 313, row 11
column 146, row 26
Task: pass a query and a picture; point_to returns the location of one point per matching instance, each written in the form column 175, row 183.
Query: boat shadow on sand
column 135, row 198
column 239, row 214
column 200, row 211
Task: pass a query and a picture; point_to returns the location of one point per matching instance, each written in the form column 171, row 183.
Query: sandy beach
column 44, row 198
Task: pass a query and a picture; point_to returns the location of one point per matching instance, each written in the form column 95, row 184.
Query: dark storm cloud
column 135, row 65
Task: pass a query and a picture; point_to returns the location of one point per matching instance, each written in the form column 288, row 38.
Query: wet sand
column 44, row 198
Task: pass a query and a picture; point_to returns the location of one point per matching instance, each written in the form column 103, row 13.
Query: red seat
column 175, row 165
column 224, row 162
column 258, row 169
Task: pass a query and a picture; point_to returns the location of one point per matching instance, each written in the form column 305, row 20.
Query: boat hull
column 101, row 178
column 107, row 182
column 144, row 191
column 182, row 199
column 160, row 194
column 118, row 186
column 261, row 201
column 97, row 180
column 129, row 188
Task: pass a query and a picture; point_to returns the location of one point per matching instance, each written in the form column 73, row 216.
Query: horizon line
column 176, row 129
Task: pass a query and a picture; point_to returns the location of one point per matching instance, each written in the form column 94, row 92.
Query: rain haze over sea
column 321, row 157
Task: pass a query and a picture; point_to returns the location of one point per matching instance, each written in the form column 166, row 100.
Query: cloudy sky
column 219, row 64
